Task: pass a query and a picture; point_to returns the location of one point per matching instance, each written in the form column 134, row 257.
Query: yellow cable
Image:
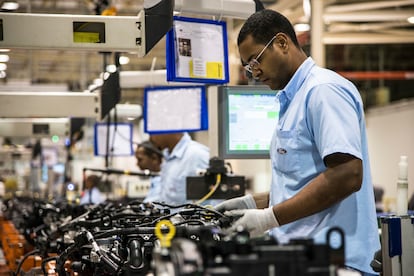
column 218, row 180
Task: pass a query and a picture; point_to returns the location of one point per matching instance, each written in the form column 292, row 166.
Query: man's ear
column 282, row 41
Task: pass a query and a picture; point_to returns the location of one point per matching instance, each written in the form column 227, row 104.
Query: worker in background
column 91, row 193
column 182, row 157
column 319, row 155
column 150, row 158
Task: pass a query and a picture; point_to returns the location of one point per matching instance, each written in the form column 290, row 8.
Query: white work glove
column 243, row 202
column 255, row 221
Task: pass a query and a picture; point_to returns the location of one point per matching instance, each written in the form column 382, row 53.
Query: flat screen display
column 115, row 139
column 175, row 109
column 248, row 116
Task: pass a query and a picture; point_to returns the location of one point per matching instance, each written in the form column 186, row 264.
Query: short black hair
column 150, row 149
column 265, row 24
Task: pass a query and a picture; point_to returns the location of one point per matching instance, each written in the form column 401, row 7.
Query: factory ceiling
column 354, row 20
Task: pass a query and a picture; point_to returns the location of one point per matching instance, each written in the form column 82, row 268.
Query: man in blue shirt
column 182, row 157
column 92, row 194
column 319, row 154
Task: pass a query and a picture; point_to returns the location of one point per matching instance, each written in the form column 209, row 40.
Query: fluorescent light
column 3, row 66
column 111, row 68
column 141, row 79
column 10, row 6
column 123, row 60
column 127, row 111
column 411, row 19
column 221, row 8
column 4, row 50
column 302, row 27
column 4, row 58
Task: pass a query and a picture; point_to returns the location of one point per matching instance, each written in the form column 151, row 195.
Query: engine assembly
column 135, row 238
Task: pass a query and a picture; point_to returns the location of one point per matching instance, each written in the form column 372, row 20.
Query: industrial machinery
column 82, row 32
column 135, row 238
column 237, row 254
column 217, row 182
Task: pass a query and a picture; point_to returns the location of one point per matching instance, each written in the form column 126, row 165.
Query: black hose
column 27, row 255
column 45, row 261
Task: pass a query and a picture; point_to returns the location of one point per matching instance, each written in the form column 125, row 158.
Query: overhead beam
column 368, row 16
column 142, row 79
column 369, row 5
column 218, row 8
column 368, row 38
column 354, row 27
column 39, row 127
column 88, row 32
column 63, row 31
column 49, row 105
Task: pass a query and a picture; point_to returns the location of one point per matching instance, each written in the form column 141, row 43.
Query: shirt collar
column 298, row 78
column 178, row 150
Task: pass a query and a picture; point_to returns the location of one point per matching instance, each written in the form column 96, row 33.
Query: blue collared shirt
column 93, row 196
column 186, row 159
column 154, row 190
column 322, row 113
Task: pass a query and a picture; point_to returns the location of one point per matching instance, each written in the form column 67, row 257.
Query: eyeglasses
column 254, row 63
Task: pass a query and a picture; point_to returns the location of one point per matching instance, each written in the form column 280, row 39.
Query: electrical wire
column 204, row 198
column 45, row 261
column 228, row 164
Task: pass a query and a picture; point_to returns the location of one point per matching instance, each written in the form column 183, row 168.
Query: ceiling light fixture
column 10, row 6
column 123, row 60
column 111, row 68
column 4, row 58
column 302, row 27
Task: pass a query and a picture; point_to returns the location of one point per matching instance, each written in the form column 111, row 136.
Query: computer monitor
column 247, row 118
column 115, row 139
column 170, row 109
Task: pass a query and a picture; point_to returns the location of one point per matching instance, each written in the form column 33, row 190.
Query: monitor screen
column 175, row 109
column 247, row 116
column 115, row 139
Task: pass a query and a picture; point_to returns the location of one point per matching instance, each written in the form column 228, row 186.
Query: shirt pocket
column 286, row 152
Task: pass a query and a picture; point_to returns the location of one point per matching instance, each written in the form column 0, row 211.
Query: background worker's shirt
column 186, row 159
column 93, row 196
column 154, row 190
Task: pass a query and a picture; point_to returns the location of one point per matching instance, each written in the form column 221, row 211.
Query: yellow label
column 85, row 37
column 213, row 70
